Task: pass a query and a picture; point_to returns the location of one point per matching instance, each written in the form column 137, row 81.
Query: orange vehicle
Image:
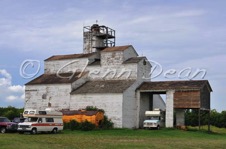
column 94, row 117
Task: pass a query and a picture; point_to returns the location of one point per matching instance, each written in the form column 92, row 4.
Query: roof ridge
column 69, row 56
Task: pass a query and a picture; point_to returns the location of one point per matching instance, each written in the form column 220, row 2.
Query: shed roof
column 174, row 85
column 79, row 112
column 107, row 86
column 69, row 56
column 118, row 48
column 54, row 79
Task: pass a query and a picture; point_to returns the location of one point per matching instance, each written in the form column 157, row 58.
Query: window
column 25, row 112
column 4, row 120
column 49, row 120
column 31, row 119
column 32, row 112
column 42, row 112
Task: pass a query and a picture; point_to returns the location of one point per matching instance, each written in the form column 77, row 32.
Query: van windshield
column 154, row 117
column 31, row 119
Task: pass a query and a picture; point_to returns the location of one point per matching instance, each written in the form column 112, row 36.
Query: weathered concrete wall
column 158, row 102
column 67, row 65
column 111, row 58
column 111, row 103
column 132, row 71
column 128, row 53
column 130, row 108
column 169, row 108
column 144, row 106
column 117, row 57
column 90, row 41
column 180, row 117
column 144, row 69
column 112, row 72
column 41, row 96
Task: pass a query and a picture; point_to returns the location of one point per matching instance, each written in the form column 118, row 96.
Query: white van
column 155, row 119
column 41, row 121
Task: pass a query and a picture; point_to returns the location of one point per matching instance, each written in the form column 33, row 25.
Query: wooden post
column 199, row 119
column 209, row 121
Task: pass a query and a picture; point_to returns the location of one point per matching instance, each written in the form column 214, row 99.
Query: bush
column 106, row 123
column 87, row 126
column 92, row 108
column 72, row 125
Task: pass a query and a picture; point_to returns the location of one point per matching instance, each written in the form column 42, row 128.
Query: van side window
column 49, row 120
column 39, row 120
column 42, row 112
column 25, row 112
column 32, row 112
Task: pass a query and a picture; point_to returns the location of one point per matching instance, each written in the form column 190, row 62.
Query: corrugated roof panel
column 118, row 48
column 174, row 85
column 107, row 86
column 69, row 56
column 54, row 79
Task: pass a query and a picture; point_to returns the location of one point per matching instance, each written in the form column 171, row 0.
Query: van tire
column 34, row 131
column 158, row 127
column 3, row 130
column 54, row 131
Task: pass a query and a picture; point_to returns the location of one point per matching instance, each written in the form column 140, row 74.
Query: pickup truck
column 7, row 125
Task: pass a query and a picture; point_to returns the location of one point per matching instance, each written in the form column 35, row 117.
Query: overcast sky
column 180, row 35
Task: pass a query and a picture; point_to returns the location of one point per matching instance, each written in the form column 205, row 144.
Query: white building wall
column 117, row 57
column 111, row 58
column 128, row 53
column 169, row 108
column 144, row 105
column 158, row 102
column 111, row 103
column 144, row 70
column 112, row 72
column 180, row 117
column 40, row 96
column 130, row 107
column 67, row 65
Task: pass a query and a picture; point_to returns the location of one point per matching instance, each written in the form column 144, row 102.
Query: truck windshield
column 31, row 119
column 4, row 120
column 154, row 117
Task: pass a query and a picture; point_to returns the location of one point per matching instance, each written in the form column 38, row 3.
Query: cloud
column 16, row 88
column 12, row 95
column 7, row 78
column 11, row 98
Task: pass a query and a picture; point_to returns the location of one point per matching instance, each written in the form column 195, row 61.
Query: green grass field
column 117, row 138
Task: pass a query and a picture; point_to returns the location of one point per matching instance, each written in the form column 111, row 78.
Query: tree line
column 10, row 112
column 217, row 119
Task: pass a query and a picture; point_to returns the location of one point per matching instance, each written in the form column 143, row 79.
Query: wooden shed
column 181, row 95
column 192, row 94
